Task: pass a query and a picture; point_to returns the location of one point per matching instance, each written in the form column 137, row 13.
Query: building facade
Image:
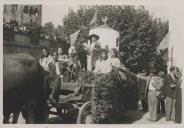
column 23, row 14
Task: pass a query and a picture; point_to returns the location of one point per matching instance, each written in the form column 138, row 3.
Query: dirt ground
column 130, row 117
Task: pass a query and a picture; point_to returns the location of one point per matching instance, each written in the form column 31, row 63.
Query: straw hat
column 93, row 35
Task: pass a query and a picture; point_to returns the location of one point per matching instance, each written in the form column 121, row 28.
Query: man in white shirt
column 54, row 77
column 152, row 99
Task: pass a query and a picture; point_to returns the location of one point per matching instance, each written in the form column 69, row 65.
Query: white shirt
column 150, row 86
column 44, row 62
column 91, row 46
column 103, row 66
column 172, row 76
column 115, row 62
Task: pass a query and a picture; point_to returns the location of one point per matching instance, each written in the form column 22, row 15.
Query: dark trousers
column 178, row 116
column 161, row 105
column 144, row 103
column 53, row 84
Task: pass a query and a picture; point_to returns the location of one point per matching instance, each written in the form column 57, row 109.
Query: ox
column 23, row 88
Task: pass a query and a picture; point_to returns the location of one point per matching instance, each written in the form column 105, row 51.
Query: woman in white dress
column 103, row 64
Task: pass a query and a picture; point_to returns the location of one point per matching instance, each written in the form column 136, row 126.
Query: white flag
column 73, row 37
column 94, row 19
column 164, row 43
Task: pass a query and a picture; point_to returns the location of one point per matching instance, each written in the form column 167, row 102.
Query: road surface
column 130, row 117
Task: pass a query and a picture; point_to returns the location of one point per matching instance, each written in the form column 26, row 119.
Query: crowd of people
column 162, row 91
column 59, row 67
column 162, row 94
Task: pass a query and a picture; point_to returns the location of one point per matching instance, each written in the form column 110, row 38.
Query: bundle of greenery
column 114, row 93
column 86, row 81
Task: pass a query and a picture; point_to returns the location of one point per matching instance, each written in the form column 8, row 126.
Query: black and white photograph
column 90, row 64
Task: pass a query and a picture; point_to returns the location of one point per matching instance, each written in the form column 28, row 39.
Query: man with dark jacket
column 171, row 93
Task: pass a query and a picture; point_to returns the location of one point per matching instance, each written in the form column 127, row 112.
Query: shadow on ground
column 131, row 116
column 128, row 118
column 60, row 120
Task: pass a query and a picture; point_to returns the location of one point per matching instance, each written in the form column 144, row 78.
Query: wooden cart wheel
column 85, row 116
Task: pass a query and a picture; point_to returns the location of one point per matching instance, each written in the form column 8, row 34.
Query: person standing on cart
column 94, row 49
column 74, row 64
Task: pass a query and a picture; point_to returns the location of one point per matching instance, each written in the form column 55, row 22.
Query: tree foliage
column 140, row 33
column 48, row 28
column 59, row 31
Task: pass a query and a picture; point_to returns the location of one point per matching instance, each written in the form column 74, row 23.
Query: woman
column 94, row 51
column 115, row 61
column 103, row 64
column 45, row 59
column 114, row 57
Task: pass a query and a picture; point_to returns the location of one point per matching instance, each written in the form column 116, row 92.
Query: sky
column 55, row 13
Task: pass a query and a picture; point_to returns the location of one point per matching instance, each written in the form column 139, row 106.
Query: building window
column 35, row 12
column 14, row 7
column 25, row 10
column 31, row 11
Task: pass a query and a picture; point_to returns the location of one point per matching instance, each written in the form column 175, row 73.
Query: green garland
column 112, row 95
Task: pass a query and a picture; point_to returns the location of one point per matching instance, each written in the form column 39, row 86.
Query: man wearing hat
column 152, row 99
column 171, row 93
column 94, row 50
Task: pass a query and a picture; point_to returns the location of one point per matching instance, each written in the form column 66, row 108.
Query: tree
column 140, row 33
column 59, row 31
column 48, row 29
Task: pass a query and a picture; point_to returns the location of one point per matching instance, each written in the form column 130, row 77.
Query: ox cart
column 71, row 103
column 76, row 98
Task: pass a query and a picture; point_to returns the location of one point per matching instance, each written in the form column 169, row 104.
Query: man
column 142, row 85
column 160, row 93
column 171, row 93
column 74, row 67
column 152, row 99
column 54, row 77
column 178, row 113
